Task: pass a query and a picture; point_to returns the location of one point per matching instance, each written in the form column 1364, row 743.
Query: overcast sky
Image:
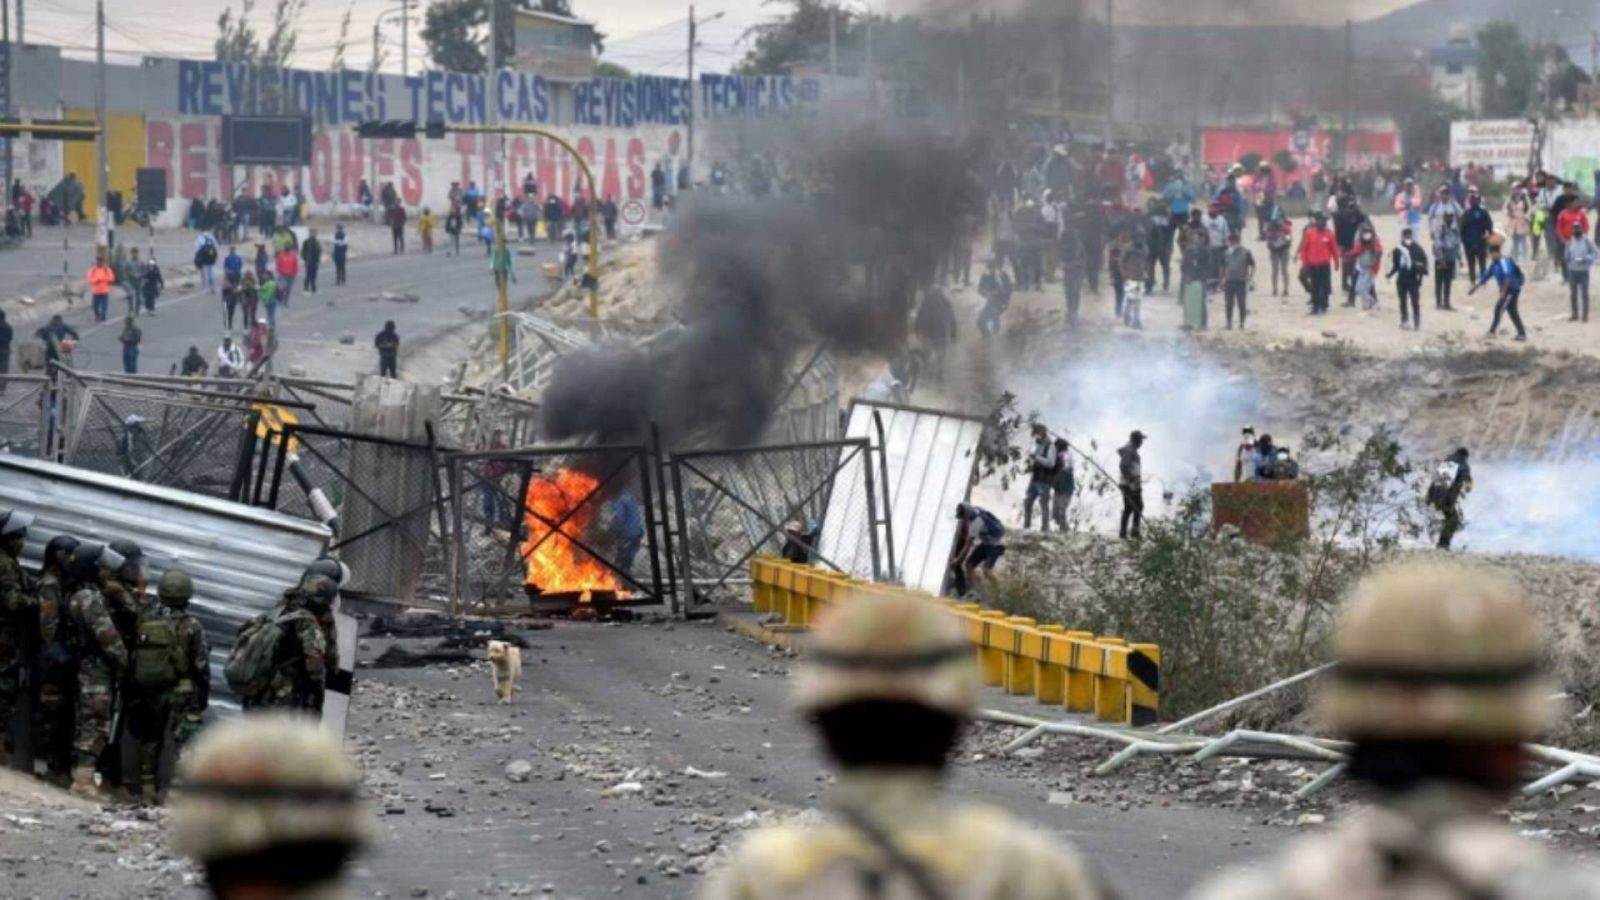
column 644, row 35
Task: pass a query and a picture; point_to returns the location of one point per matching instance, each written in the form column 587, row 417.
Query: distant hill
column 1429, row 22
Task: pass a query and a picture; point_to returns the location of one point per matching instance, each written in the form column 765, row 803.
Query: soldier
column 890, row 682
column 1438, row 686
column 268, row 806
column 17, row 604
column 57, row 664
column 169, row 656
column 300, row 665
column 102, row 660
column 193, row 694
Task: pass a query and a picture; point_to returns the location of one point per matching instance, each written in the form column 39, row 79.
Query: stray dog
column 505, row 664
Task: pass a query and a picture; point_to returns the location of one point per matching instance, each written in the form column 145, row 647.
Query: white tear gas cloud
column 1537, row 506
column 767, row 279
column 1190, row 409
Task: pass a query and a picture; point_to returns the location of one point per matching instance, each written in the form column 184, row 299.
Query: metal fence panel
column 543, row 526
column 928, row 457
column 24, row 413
column 731, row 505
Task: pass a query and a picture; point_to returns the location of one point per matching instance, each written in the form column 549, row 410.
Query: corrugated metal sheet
column 241, row 557
column 930, row 456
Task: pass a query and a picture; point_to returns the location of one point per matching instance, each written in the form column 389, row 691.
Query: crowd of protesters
column 1127, row 216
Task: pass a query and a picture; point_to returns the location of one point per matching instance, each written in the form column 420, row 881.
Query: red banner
column 1311, row 148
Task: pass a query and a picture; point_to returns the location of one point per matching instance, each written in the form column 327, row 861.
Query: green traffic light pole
column 504, row 305
column 436, row 129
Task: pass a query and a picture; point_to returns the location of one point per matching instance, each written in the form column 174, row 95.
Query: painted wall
column 1311, row 147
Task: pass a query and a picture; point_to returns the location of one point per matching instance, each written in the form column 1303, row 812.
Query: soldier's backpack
column 158, row 659
column 255, row 655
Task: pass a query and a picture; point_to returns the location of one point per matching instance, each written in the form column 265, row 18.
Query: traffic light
column 399, row 128
column 387, row 128
column 49, row 129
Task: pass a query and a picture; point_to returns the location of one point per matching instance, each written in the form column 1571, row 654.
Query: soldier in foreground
column 1438, row 686
column 58, row 662
column 280, row 658
column 890, row 683
column 268, row 805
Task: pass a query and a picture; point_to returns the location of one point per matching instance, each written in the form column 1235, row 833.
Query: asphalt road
column 606, row 705
column 308, row 330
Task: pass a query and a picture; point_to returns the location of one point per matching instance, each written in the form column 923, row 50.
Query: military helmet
column 328, row 567
column 59, row 549
column 888, row 647
column 175, row 588
column 1437, row 651
column 89, row 559
column 130, row 551
column 318, row 592
column 264, row 781
column 14, row 523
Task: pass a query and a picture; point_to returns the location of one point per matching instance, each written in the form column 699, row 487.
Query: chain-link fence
column 731, row 505
column 552, row 528
column 24, row 414
column 384, row 499
column 193, row 438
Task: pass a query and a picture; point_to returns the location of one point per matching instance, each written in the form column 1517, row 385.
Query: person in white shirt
column 230, row 359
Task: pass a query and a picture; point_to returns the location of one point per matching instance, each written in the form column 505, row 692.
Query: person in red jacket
column 1567, row 222
column 288, row 266
column 1319, row 256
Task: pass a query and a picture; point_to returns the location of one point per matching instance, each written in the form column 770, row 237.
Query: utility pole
column 103, row 181
column 1349, row 68
column 833, row 40
column 872, row 77
column 405, row 38
column 502, row 257
column 1111, row 70
column 688, row 159
column 20, row 38
column 5, row 87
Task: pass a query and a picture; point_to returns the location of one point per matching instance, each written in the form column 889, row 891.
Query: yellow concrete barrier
column 1103, row 676
column 1049, row 672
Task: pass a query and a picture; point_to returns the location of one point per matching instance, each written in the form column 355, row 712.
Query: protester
column 425, row 225
column 1366, row 258
column 6, row 335
column 980, row 542
column 995, row 288
column 1580, row 255
column 100, row 278
column 1476, row 226
column 151, row 284
column 1509, row 277
column 1131, row 484
column 311, row 255
column 1238, row 273
column 1518, row 218
column 608, row 216
column 1408, row 267
column 1072, row 264
column 452, row 227
column 249, row 297
column 1280, row 238
column 397, row 227
column 129, row 339
column 193, row 365
column 1447, row 255
column 388, row 345
column 1319, row 256
column 1041, row 481
column 230, row 360
column 341, row 254
column 288, row 265
column 1452, row 481
column 205, row 260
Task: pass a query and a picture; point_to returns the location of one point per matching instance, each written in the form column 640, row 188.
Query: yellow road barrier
column 1104, row 676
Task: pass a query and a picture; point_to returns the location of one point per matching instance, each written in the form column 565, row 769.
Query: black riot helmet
column 58, row 550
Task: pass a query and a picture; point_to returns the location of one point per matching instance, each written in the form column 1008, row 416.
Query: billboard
column 1503, row 145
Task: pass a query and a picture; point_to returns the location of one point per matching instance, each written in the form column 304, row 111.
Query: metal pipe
column 1244, row 698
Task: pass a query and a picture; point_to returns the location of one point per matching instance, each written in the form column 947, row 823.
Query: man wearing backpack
column 1040, row 484
column 1451, row 482
column 980, row 544
column 205, row 260
column 102, row 660
column 18, row 600
column 170, row 678
column 280, row 658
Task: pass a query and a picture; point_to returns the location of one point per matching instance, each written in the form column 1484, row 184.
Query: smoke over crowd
column 838, row 262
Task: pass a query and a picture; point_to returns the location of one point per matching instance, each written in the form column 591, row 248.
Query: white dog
column 505, row 664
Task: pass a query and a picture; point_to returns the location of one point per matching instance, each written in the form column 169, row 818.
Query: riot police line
column 102, row 679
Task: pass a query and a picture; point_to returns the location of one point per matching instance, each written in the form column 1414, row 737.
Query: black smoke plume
column 838, row 261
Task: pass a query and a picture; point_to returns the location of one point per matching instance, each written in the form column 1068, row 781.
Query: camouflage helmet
column 265, row 781
column 891, row 646
column 1437, row 650
column 175, row 588
column 317, row 591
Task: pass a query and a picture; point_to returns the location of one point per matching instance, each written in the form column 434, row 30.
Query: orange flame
column 554, row 563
